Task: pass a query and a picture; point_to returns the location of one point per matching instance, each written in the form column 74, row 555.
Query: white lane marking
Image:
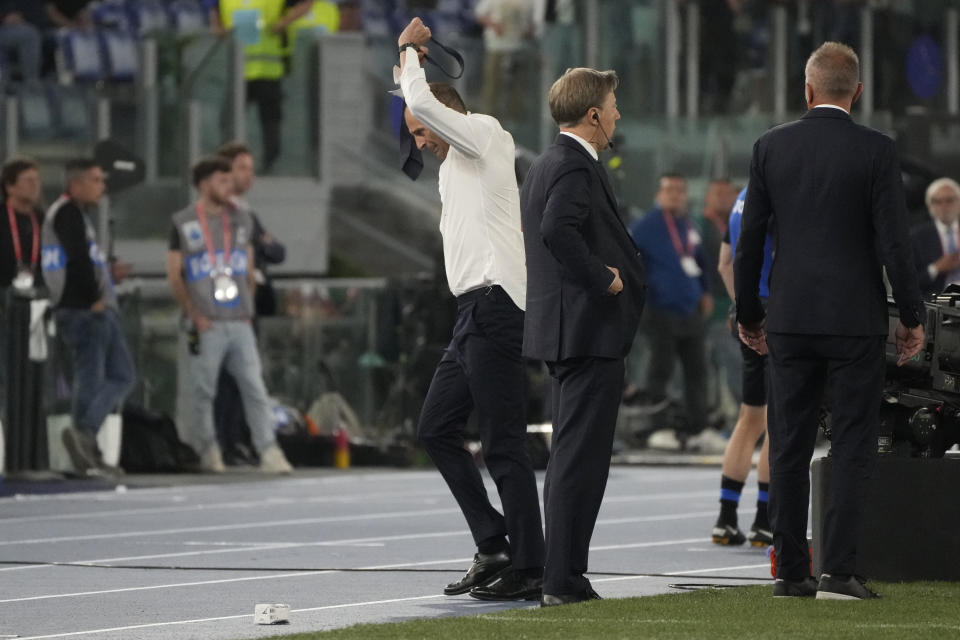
column 635, row 545
column 263, row 547
column 220, row 618
column 651, row 497
column 239, row 504
column 266, row 546
column 233, row 527
column 217, row 486
column 322, row 608
column 230, row 580
column 260, row 503
column 643, row 545
column 687, row 572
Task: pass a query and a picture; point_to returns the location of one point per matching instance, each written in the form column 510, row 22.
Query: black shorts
column 754, row 377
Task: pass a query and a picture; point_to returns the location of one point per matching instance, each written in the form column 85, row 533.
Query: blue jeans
column 103, row 372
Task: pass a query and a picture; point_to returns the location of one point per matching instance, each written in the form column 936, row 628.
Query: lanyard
column 683, row 249
column 225, row 223
column 450, row 51
column 15, row 234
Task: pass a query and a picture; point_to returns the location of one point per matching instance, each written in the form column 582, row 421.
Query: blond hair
column 576, row 91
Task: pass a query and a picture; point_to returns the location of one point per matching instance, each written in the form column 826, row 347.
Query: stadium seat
column 111, row 13
column 148, row 16
column 377, row 20
column 187, row 17
column 79, row 56
column 120, row 53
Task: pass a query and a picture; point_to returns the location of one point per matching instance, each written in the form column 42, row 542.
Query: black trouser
column 671, row 336
column 268, row 96
column 482, row 369
column 586, row 398
column 851, row 369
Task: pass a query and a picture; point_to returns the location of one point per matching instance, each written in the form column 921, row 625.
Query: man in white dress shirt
column 482, row 368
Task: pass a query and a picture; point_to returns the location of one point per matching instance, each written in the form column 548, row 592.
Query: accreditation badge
column 225, row 289
column 690, row 267
column 23, row 281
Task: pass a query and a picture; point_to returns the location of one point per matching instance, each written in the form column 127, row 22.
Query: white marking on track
column 220, row 618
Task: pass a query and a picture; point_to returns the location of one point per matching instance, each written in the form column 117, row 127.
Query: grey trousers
column 233, row 346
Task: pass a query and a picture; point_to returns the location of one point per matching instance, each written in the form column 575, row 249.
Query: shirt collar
column 832, row 106
column 586, row 145
column 944, row 229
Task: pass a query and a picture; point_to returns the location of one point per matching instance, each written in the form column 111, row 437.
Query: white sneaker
column 708, row 441
column 211, row 460
column 272, row 460
column 664, row 440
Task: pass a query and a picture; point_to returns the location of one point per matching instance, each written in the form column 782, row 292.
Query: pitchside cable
column 154, row 567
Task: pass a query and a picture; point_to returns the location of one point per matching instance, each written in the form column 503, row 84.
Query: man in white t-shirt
column 482, row 368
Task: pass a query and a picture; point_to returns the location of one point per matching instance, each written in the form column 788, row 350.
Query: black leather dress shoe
column 486, row 567
column 806, row 588
column 510, row 586
column 844, row 588
column 550, row 600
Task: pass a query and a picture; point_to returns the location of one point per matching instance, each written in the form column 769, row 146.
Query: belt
column 475, row 294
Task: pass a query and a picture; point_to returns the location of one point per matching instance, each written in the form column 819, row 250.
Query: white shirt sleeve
column 470, row 136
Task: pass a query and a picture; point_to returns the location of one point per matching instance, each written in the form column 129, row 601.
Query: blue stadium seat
column 377, row 17
column 111, row 13
column 148, row 16
column 80, row 56
column 187, row 17
column 121, row 54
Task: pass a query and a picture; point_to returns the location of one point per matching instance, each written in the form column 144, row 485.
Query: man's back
column 834, row 193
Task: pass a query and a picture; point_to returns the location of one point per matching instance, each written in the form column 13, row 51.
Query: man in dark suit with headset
column 830, row 191
column 585, row 291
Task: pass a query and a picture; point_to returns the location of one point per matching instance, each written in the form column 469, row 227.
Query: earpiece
column 596, row 116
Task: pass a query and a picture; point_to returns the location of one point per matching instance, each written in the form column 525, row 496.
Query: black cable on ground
column 152, row 567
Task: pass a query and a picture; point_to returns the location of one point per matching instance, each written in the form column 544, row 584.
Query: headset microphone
column 609, row 141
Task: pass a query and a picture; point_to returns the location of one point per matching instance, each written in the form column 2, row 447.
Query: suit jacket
column 927, row 249
column 571, row 232
column 832, row 192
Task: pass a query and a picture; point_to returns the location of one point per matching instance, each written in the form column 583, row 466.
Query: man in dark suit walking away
column 830, row 192
column 585, row 291
column 935, row 242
